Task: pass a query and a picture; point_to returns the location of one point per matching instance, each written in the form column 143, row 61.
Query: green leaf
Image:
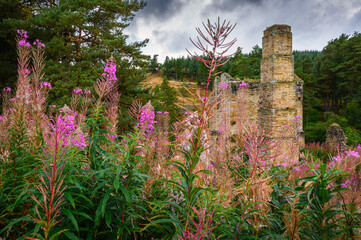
column 70, row 215
column 108, row 218
column 125, row 193
column 105, row 201
column 71, row 235
column 69, row 198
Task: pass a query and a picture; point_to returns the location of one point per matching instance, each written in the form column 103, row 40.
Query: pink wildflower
column 24, row 43
column 7, row 89
column 331, row 164
column 243, row 84
column 22, row 33
column 284, row 164
column 346, row 184
column 46, row 84
column 223, row 86
column 40, row 44
column 297, row 117
column 78, row 91
column 146, row 120
column 109, row 72
column 353, row 154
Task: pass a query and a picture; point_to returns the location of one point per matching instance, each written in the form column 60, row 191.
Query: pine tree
column 153, row 65
column 80, row 35
column 10, row 9
column 167, row 97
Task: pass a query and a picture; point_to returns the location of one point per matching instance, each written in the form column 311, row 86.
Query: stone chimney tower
column 279, row 101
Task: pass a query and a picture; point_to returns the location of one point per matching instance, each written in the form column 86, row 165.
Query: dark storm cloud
column 228, row 5
column 162, row 9
column 169, row 23
column 172, row 40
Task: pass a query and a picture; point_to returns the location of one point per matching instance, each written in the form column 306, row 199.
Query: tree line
column 331, row 82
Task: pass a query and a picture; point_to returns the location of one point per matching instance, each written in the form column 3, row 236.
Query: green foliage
column 80, row 36
column 165, row 97
column 318, row 219
column 8, row 61
column 245, row 65
column 103, row 203
column 153, row 65
column 316, row 132
column 352, row 112
column 184, row 188
column 353, row 136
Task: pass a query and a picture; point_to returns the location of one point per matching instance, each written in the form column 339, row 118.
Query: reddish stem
column 52, row 184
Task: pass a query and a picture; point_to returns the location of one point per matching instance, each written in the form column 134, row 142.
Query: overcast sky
column 168, row 24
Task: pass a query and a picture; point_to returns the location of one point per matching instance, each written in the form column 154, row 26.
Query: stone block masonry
column 276, row 99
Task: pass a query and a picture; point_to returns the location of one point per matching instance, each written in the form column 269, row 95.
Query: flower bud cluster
column 46, row 84
column 38, row 43
column 109, row 72
column 80, row 91
column 66, row 127
column 23, row 34
column 146, row 120
column 243, row 84
column 24, row 43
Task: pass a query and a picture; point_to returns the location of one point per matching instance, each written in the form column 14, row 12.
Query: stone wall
column 273, row 101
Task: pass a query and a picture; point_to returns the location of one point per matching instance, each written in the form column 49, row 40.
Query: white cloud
column 169, row 23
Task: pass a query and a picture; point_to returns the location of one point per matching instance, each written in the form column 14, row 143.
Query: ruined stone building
column 275, row 100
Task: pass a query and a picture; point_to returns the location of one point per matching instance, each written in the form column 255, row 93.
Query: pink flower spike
column 297, row 117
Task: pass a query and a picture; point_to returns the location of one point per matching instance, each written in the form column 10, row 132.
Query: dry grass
column 155, row 79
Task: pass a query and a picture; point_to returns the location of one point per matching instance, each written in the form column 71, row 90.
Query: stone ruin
column 276, row 99
column 335, row 138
